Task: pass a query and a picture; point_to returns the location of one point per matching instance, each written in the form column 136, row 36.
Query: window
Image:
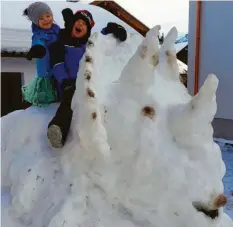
column 11, row 95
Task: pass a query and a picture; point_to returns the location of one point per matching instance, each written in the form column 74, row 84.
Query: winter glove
column 56, row 53
column 68, row 19
column 37, row 51
column 117, row 30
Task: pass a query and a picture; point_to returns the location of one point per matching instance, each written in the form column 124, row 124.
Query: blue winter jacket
column 45, row 38
column 69, row 68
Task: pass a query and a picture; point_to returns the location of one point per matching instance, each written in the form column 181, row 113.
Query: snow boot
column 59, row 126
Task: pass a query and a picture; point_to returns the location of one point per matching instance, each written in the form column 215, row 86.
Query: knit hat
column 71, row 18
column 86, row 16
column 36, row 10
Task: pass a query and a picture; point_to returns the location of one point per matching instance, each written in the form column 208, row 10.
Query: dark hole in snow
column 209, row 213
column 90, row 43
column 89, row 59
column 94, row 115
column 38, row 177
column 70, row 185
column 29, row 170
column 88, row 75
column 90, row 93
column 148, row 111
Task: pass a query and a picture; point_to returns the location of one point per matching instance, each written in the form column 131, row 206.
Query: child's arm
column 57, row 61
column 56, row 53
column 38, row 49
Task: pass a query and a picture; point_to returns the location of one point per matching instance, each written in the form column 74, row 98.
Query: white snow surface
column 140, row 150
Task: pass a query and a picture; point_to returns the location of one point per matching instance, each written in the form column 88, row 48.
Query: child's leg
column 59, row 126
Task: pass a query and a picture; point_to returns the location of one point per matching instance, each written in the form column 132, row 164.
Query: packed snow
column 227, row 154
column 140, row 150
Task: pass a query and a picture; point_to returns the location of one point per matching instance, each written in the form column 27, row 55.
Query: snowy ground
column 227, row 154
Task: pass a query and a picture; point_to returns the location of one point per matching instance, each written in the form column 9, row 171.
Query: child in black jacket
column 64, row 55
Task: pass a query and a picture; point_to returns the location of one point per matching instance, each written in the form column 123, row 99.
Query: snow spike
column 142, row 63
column 154, row 31
column 195, row 117
column 150, row 45
column 206, row 96
column 92, row 132
column 170, row 38
column 168, row 58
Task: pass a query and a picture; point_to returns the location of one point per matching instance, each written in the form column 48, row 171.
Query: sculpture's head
column 162, row 164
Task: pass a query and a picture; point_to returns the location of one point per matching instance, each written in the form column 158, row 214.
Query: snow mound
column 140, row 151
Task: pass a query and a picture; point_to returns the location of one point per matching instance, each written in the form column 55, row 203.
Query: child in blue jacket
column 41, row 91
column 65, row 55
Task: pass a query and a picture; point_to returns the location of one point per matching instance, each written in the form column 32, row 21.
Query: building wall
column 216, row 51
column 27, row 68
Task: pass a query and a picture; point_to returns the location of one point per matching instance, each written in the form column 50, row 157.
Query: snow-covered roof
column 18, row 40
column 16, row 34
column 181, row 42
column 180, row 46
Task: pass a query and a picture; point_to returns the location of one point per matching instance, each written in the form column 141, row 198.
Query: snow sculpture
column 140, row 151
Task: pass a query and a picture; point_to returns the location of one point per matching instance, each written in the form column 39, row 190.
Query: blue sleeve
column 37, row 40
column 59, row 72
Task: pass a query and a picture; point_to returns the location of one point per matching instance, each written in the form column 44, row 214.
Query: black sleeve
column 56, row 53
column 68, row 18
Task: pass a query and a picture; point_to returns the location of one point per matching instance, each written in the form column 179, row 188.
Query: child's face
column 79, row 29
column 46, row 21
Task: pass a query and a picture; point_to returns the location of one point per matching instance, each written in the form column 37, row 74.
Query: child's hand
column 117, row 30
column 68, row 18
column 36, row 51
